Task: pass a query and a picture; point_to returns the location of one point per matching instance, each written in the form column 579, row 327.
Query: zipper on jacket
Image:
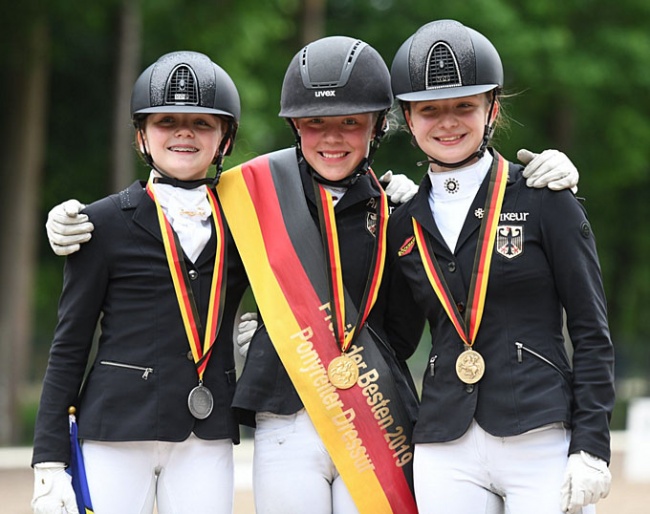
column 521, row 348
column 432, row 365
column 145, row 374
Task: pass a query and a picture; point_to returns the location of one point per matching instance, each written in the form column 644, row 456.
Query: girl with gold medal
column 507, row 420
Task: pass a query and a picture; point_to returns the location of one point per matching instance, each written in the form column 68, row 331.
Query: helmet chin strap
column 487, row 133
column 453, row 165
column 348, row 181
column 183, row 184
column 361, row 168
column 227, row 141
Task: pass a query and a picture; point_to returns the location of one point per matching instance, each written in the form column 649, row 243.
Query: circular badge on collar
column 451, row 186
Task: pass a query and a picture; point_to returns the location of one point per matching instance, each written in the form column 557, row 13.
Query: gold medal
column 343, row 372
column 470, row 366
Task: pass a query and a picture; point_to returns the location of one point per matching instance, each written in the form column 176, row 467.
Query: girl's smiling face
column 452, row 129
column 183, row 145
column 335, row 145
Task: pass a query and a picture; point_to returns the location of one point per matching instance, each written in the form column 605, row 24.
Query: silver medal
column 200, row 402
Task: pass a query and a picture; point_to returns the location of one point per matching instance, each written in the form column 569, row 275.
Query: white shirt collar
column 453, row 185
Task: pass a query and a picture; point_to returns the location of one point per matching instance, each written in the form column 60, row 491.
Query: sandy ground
column 626, row 497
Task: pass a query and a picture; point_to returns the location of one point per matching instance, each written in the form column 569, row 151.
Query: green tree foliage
column 577, row 71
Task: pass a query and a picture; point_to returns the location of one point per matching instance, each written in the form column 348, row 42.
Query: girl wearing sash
column 506, row 413
column 154, row 412
column 310, row 225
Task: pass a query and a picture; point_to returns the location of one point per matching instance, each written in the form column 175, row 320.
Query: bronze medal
column 470, row 366
column 200, row 402
column 343, row 372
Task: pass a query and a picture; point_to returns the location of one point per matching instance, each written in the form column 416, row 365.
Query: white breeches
column 292, row 471
column 479, row 473
column 192, row 476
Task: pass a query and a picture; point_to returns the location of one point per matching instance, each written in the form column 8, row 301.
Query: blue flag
column 77, row 470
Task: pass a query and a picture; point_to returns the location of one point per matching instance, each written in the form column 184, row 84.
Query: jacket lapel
column 474, row 215
column 420, row 210
column 144, row 214
column 146, row 217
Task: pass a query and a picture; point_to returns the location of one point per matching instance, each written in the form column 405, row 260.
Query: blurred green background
column 578, row 72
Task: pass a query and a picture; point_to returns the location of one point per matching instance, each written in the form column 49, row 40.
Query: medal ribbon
column 330, row 238
column 184, row 295
column 467, row 328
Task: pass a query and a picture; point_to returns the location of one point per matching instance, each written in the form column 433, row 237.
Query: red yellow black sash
column 365, row 428
column 467, row 327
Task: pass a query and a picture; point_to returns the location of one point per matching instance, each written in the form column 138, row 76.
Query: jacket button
column 451, row 266
column 460, row 306
column 469, row 388
column 190, row 357
column 193, row 274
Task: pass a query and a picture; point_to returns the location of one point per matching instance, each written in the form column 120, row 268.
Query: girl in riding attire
column 506, row 412
column 162, row 275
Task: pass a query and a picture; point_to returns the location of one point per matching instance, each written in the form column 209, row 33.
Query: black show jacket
column 264, row 385
column 529, row 380
column 138, row 383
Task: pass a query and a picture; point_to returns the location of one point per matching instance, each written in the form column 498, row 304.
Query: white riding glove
column 399, row 188
column 53, row 493
column 586, row 480
column 245, row 331
column 550, row 168
column 66, row 228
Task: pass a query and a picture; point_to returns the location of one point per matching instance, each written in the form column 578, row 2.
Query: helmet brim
column 326, row 111
column 446, row 93
column 183, row 109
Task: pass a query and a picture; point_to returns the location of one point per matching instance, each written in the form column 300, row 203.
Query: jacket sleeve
column 85, row 281
column 404, row 319
column 571, row 249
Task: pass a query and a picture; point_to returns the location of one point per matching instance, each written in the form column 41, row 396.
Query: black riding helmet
column 187, row 82
column 444, row 59
column 337, row 76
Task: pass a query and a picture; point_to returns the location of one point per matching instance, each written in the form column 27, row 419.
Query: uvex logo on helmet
column 328, row 93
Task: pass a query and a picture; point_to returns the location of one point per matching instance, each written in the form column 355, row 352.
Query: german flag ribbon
column 365, row 428
column 468, row 326
column 186, row 302
column 329, row 234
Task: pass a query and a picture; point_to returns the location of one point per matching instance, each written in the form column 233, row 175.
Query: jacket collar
column 145, row 216
column 420, row 210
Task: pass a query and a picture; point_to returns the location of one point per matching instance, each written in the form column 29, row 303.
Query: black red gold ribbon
column 329, row 234
column 468, row 326
column 191, row 320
